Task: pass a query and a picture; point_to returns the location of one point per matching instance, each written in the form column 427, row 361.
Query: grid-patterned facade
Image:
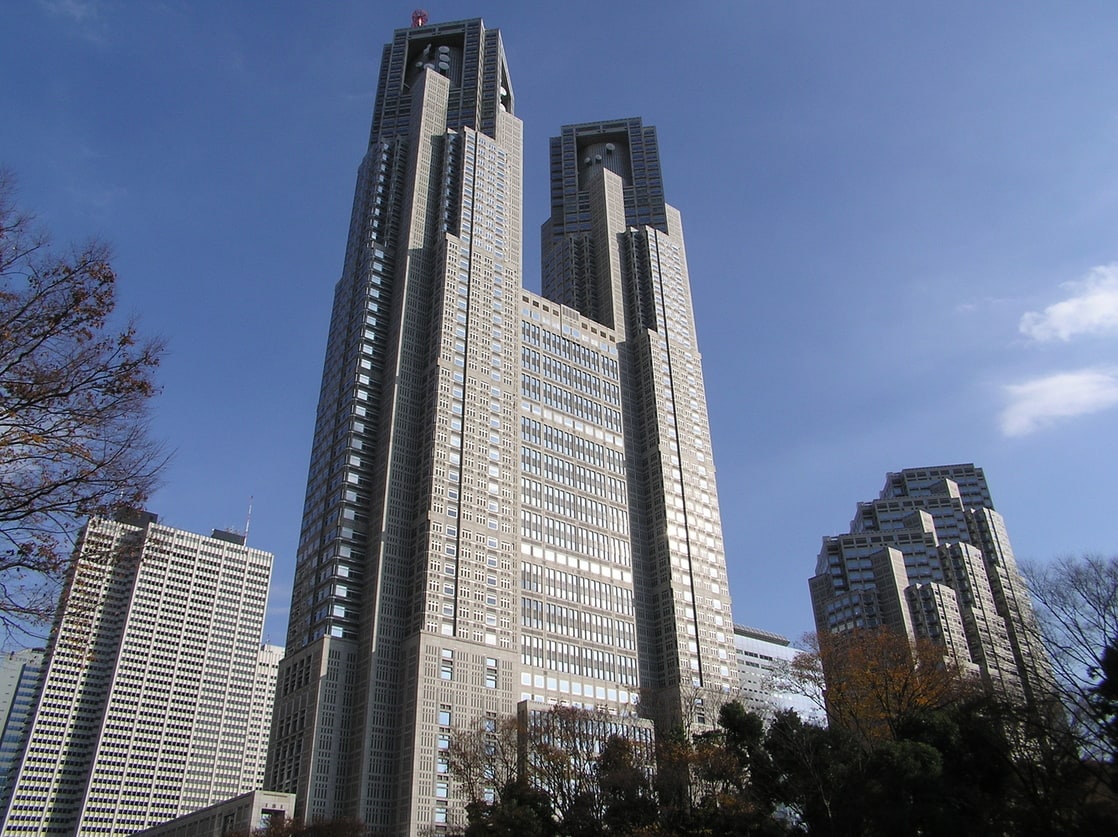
column 493, row 471
column 19, row 680
column 149, row 685
column 765, row 667
column 931, row 558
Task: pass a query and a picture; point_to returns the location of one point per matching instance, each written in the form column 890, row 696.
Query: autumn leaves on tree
column 74, row 393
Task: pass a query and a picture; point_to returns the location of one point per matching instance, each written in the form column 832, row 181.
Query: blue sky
column 900, row 217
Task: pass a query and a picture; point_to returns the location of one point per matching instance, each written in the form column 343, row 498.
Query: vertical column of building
column 20, row 674
column 255, row 756
column 1011, row 600
column 463, row 635
column 615, row 248
column 578, row 635
column 356, row 723
column 401, row 481
column 312, row 725
column 458, row 657
column 985, row 635
column 690, row 593
column 312, row 741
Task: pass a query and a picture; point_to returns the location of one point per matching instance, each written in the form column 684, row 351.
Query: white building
column 150, row 683
column 260, row 719
column 764, row 660
column 19, row 681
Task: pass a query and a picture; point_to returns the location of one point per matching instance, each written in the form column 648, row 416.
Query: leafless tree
column 1076, row 602
column 74, row 393
column 484, row 759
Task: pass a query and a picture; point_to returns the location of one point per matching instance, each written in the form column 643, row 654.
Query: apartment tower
column 511, row 497
column 930, row 557
column 149, row 685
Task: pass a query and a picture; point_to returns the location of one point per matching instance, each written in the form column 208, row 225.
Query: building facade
column 249, row 813
column 931, row 558
column 19, row 681
column 149, row 683
column 255, row 756
column 511, row 497
column 764, row 666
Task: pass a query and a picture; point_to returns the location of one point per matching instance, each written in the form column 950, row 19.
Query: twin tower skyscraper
column 511, row 496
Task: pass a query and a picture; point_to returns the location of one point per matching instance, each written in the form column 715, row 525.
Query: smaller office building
column 243, row 814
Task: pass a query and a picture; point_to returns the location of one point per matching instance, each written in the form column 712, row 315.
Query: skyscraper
column 19, row 679
column 145, row 706
column 931, row 558
column 511, row 497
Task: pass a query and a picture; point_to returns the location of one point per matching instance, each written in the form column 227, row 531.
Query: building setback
column 931, row 558
column 511, row 497
column 149, row 685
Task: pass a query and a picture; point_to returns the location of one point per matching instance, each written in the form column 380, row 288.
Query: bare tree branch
column 1077, row 612
column 74, row 394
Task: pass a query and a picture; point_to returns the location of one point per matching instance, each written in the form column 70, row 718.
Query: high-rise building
column 149, row 683
column 511, row 497
column 260, row 717
column 931, row 558
column 19, row 680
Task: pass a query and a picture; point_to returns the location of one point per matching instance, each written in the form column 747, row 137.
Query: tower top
column 419, row 17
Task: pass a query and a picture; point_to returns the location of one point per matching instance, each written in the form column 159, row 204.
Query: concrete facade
column 511, row 496
column 931, row 558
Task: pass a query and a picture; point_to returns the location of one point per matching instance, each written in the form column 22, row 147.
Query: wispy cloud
column 78, row 11
column 82, row 17
column 1092, row 308
column 1038, row 403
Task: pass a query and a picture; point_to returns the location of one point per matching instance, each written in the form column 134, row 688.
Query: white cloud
column 1038, row 403
column 1092, row 308
column 76, row 10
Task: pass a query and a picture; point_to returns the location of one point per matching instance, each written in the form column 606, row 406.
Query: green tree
column 1104, row 698
column 625, row 786
column 521, row 810
column 817, row 775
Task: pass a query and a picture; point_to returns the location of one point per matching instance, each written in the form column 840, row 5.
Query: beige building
column 931, row 558
column 511, row 496
column 244, row 814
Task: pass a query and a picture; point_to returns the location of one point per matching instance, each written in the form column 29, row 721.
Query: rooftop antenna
column 248, row 519
column 419, row 18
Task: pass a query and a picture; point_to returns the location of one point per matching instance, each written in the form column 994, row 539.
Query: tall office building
column 931, row 558
column 511, row 497
column 260, row 716
column 19, row 681
column 145, row 706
